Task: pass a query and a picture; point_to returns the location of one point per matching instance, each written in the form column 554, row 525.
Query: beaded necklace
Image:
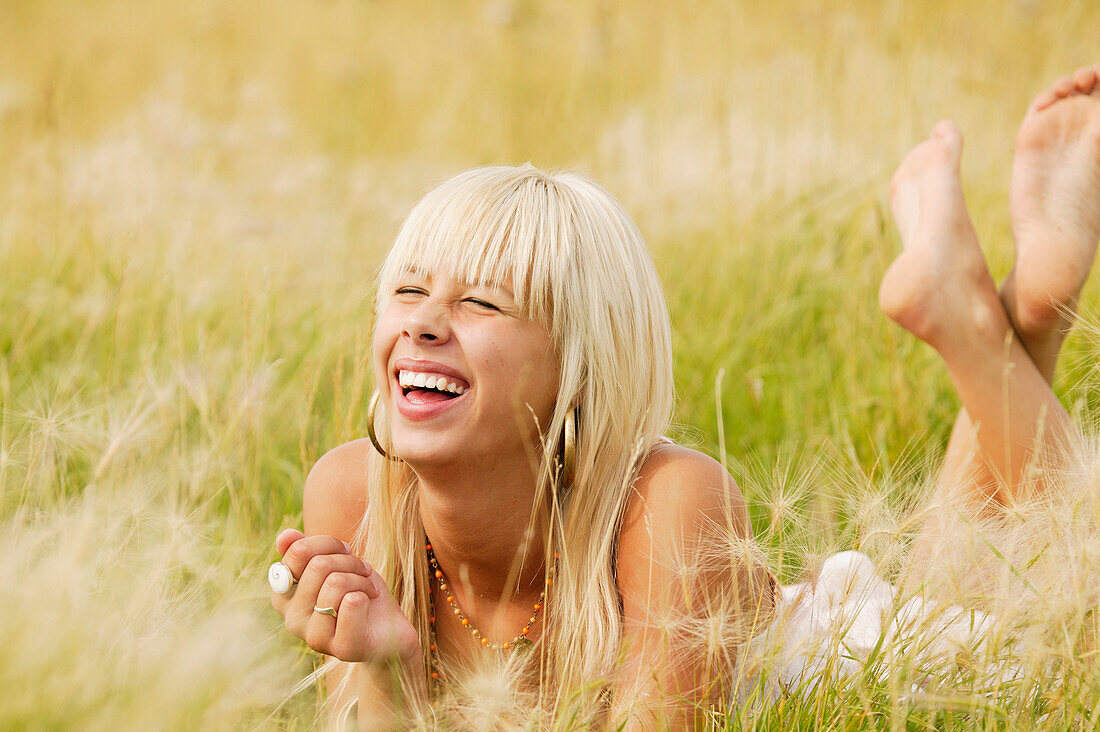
column 520, row 643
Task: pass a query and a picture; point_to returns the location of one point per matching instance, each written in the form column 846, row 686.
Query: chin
column 428, row 450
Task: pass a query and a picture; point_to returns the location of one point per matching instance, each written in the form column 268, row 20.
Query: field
column 194, row 198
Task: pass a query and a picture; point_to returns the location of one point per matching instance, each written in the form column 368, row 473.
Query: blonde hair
column 577, row 264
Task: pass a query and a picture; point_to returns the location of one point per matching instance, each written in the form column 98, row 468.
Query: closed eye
column 482, row 303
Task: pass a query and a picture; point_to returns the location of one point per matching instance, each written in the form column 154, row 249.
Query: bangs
column 488, row 227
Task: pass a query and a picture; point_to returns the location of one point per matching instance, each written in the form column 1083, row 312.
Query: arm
column 370, row 632
column 693, row 588
column 335, row 495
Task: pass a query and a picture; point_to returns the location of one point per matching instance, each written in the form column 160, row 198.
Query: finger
column 299, row 554
column 319, row 631
column 325, row 564
column 285, row 538
column 348, row 642
column 337, row 585
column 281, row 602
column 373, row 591
column 300, row 604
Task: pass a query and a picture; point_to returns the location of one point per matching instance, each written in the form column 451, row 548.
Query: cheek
column 512, row 371
column 549, row 376
column 385, row 336
column 539, row 373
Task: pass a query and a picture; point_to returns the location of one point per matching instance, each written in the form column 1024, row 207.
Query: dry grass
column 194, row 197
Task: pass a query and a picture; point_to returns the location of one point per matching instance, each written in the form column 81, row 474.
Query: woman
column 519, row 507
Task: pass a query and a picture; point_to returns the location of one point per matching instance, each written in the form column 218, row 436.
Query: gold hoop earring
column 569, row 450
column 371, row 407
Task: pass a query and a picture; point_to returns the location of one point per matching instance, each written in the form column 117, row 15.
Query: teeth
column 420, row 379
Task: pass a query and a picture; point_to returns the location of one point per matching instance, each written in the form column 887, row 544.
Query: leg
column 1055, row 207
column 940, row 290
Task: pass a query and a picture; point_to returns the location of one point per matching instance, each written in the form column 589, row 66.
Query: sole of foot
column 1054, row 202
column 939, row 287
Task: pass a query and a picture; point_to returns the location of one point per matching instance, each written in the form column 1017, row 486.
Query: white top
column 839, row 620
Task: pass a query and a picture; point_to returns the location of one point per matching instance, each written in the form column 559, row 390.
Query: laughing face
column 464, row 373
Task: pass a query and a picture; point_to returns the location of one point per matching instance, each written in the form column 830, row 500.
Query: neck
column 483, row 525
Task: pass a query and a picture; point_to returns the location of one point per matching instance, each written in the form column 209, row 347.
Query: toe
column 942, row 128
column 1043, row 101
column 948, row 132
column 1063, row 87
column 1084, row 79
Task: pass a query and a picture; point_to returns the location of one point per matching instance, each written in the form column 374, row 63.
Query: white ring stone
column 280, row 578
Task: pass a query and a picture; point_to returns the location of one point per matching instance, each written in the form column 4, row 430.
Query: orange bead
column 429, row 547
column 450, row 598
column 484, row 641
column 548, row 580
column 431, row 647
column 435, row 675
column 465, row 621
column 432, row 619
column 556, row 555
column 506, row 645
column 525, row 630
column 439, row 574
column 538, row 607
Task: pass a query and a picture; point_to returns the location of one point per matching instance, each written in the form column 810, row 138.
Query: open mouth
column 421, row 387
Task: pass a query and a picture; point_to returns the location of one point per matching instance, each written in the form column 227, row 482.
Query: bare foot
column 1055, row 206
column 939, row 288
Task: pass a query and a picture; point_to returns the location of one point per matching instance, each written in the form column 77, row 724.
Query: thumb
column 285, row 538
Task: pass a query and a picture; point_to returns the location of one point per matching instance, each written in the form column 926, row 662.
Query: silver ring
column 281, row 580
column 325, row 611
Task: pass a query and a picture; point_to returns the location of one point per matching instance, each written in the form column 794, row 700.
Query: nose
column 427, row 324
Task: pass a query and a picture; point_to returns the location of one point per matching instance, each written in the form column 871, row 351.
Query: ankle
column 975, row 327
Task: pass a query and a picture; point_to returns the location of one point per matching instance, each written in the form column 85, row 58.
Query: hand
column 369, row 626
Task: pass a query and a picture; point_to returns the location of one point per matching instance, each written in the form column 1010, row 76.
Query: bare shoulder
column 686, row 556
column 336, row 491
column 678, row 492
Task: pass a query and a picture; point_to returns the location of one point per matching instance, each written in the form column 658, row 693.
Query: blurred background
column 194, row 198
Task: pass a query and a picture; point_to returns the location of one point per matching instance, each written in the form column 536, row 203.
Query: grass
column 193, row 200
